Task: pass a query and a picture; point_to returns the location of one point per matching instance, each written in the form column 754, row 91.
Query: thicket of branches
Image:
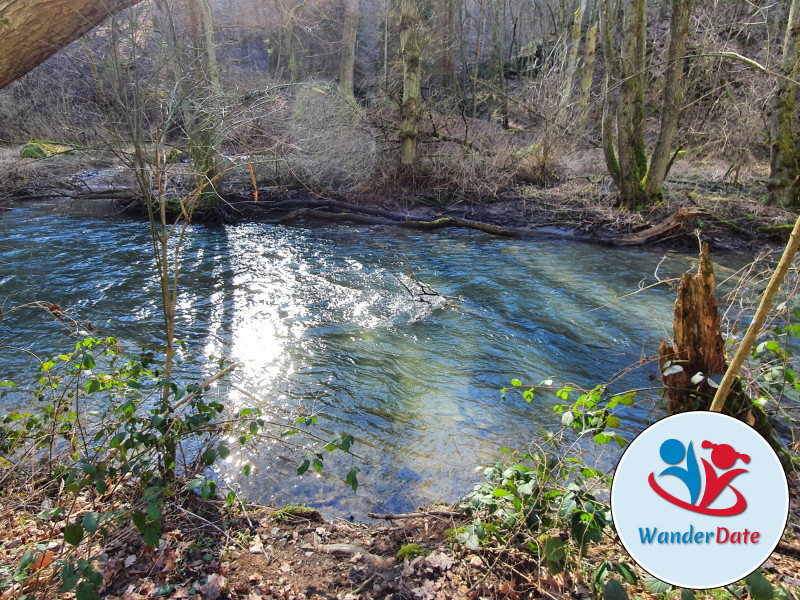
column 508, row 88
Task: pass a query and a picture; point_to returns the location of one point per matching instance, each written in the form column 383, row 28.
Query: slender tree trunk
column 348, row 59
column 784, row 164
column 628, row 165
column 572, row 60
column 448, row 69
column 412, row 95
column 671, row 99
column 478, row 40
column 205, row 125
column 31, row 31
column 587, row 76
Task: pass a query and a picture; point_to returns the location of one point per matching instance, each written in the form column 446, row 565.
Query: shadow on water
column 318, row 320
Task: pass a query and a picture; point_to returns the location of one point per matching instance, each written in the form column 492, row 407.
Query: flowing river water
column 321, row 316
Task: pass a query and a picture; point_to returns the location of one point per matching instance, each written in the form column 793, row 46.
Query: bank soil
column 209, row 551
column 699, row 202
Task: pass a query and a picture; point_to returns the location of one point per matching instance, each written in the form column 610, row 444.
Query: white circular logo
column 699, row 500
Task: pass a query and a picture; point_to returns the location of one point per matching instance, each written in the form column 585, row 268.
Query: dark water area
column 320, row 316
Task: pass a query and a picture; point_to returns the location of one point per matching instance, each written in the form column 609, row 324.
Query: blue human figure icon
column 672, row 453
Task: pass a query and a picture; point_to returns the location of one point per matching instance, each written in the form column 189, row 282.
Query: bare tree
column 348, row 58
column 784, row 165
column 412, row 94
column 637, row 181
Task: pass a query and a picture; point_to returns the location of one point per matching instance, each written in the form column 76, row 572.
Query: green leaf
column 69, row 578
column 500, row 493
column 613, row 590
column 140, row 520
column 352, row 478
column 602, row 438
column 91, row 521
column 304, row 466
column 73, row 534
column 656, row 585
column 759, row 587
column 86, row 591
column 567, row 418
column 154, row 511
column 612, row 422
column 152, row 534
column 555, row 551
column 472, row 542
column 627, row 573
column 223, row 451
column 687, row 594
column 209, row 456
column 165, row 590
column 516, row 383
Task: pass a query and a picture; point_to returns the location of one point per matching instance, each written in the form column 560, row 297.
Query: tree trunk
column 448, row 67
column 698, row 351
column 412, row 95
column 588, row 76
column 347, row 62
column 204, row 126
column 630, row 110
column 672, row 98
column 784, row 165
column 478, row 40
column 31, row 31
column 572, row 61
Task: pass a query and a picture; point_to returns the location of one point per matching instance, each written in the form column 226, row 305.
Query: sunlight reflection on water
column 320, row 322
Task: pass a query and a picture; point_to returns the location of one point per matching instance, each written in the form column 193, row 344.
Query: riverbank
column 700, row 200
column 210, row 550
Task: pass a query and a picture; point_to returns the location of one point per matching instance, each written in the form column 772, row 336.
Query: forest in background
column 436, row 100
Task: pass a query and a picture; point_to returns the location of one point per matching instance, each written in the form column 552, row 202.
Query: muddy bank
column 580, row 206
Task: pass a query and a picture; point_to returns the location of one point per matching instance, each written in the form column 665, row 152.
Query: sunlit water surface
column 321, row 317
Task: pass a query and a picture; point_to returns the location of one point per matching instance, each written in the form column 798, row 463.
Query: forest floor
column 701, row 200
column 208, row 552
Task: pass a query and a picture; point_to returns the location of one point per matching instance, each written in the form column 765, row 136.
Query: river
column 321, row 316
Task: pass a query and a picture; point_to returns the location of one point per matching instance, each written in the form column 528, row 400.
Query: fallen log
column 439, row 223
column 675, row 226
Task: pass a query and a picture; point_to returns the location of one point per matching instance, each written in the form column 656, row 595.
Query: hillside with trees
column 584, row 106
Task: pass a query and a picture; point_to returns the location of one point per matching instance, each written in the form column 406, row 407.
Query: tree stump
column 698, row 352
column 697, row 346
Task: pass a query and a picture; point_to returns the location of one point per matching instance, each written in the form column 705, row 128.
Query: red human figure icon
column 724, row 457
